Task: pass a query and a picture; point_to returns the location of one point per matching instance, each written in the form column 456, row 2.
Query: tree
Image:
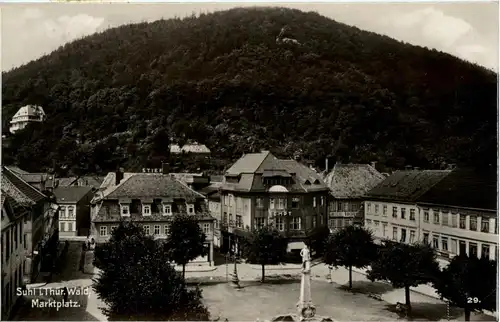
column 265, row 246
column 350, row 247
column 186, row 241
column 317, row 239
column 137, row 282
column 405, row 266
column 469, row 283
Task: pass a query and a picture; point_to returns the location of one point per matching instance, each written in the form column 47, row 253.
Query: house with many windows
column 40, row 224
column 212, row 194
column 25, row 115
column 348, row 184
column 74, row 210
column 152, row 200
column 459, row 214
column 391, row 210
column 13, row 252
column 260, row 189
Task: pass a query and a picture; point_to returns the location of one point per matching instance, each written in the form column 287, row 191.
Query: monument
column 306, row 311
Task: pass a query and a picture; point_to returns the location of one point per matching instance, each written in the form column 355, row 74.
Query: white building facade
column 25, row 115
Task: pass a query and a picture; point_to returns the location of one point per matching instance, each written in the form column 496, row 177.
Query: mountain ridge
column 223, row 80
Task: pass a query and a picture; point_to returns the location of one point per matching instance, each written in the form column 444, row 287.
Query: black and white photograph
column 219, row 161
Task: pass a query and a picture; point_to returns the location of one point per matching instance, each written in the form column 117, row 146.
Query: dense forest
column 117, row 98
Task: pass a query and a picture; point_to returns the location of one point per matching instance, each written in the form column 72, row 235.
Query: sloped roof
column 189, row 148
column 352, row 180
column 251, row 167
column 20, row 190
column 16, row 169
column 407, row 186
column 152, row 185
column 464, row 188
column 90, row 181
column 216, row 178
column 71, row 194
column 30, row 110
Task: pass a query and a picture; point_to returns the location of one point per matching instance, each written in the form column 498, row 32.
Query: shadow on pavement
column 366, row 287
column 438, row 311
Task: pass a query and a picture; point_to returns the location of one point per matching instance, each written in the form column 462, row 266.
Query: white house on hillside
column 25, row 115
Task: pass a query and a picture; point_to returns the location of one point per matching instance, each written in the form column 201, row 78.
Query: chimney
column 118, row 176
column 326, row 165
column 374, row 164
column 408, row 167
column 165, row 169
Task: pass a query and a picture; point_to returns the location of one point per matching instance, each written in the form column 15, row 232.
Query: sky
column 468, row 30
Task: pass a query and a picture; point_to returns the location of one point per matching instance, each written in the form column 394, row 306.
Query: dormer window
column 146, row 210
column 190, row 208
column 125, row 210
column 167, row 209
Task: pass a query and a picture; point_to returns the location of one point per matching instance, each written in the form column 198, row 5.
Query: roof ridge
column 105, row 194
column 26, row 183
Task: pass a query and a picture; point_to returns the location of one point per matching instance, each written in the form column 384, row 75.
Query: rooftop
column 464, row 188
column 29, row 110
column 71, row 194
column 21, row 191
column 407, row 186
column 348, row 181
column 189, row 148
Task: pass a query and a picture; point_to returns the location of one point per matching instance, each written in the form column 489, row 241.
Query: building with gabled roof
column 81, row 181
column 25, row 115
column 194, row 148
column 348, row 184
column 152, row 199
column 459, row 214
column 260, row 189
column 40, row 223
column 391, row 210
column 74, row 210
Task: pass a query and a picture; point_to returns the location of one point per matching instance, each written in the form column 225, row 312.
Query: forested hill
column 117, row 97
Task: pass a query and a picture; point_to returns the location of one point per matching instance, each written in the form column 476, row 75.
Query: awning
column 295, row 245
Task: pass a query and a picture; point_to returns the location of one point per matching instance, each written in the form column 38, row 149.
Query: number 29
column 471, row 300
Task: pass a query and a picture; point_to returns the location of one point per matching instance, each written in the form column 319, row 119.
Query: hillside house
column 25, row 115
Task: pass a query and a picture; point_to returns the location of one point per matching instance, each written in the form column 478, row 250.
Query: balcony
column 348, row 214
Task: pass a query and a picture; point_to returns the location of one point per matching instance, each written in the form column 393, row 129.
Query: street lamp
column 235, row 281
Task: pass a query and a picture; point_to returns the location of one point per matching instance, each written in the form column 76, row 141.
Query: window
column 103, row 231
column 403, row 213
column 321, row 200
column 239, row 221
column 384, row 229
column 453, row 220
column 368, row 222
column 167, row 210
column 70, row 226
column 472, row 249
column 412, row 214
column 321, row 219
column 426, row 238
column 231, row 222
column 216, row 224
column 280, row 224
column 62, row 211
column 226, row 200
column 412, row 236
column 224, row 218
column 259, row 222
column 314, row 201
column 71, row 212
column 295, row 224
column 125, row 210
column 190, row 208
column 231, row 200
column 113, row 228
column 295, row 202
column 259, row 202
column 395, row 233
column 463, row 218
column 156, row 229
column 376, row 222
column 314, row 221
column 485, row 225
column 281, row 203
column 368, row 207
column 384, row 211
column 331, row 223
column 473, row 223
column 206, row 228
column 147, row 229
column 453, row 246
column 444, row 244
column 426, row 216
column 166, row 229
column 271, row 203
column 146, row 210
column 403, row 235
column 339, row 206
column 63, row 226
column 485, row 251
column 395, row 212
column 436, row 217
column 435, row 242
column 445, row 218
column 376, row 209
